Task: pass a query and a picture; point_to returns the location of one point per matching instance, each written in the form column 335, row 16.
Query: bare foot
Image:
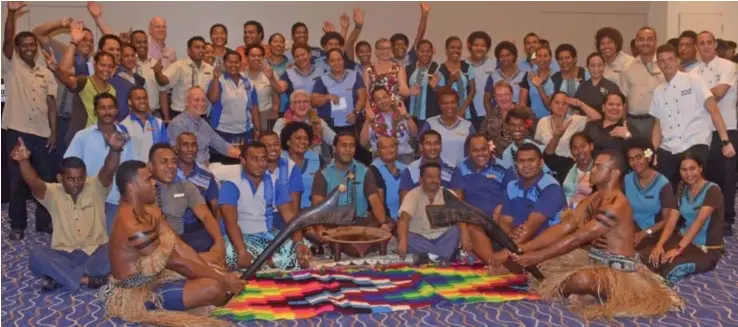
column 495, row 270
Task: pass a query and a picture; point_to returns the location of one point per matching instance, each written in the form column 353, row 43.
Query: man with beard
column 184, row 207
column 590, row 256
column 78, row 254
column 283, row 172
column 30, row 114
column 144, row 128
column 142, row 247
column 88, row 144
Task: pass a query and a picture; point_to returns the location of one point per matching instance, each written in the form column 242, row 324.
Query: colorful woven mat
column 309, row 293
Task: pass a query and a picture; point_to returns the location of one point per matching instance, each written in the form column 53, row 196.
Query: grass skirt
column 628, row 294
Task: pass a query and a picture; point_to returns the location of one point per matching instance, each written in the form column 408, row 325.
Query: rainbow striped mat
column 349, row 290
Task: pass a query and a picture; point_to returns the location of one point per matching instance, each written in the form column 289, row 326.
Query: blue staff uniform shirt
column 461, row 86
column 648, row 202
column 310, row 165
column 570, row 86
column 545, row 196
column 709, row 196
column 89, row 145
column 513, row 80
column 296, row 80
column 482, row 73
column 410, row 58
column 123, row 81
column 424, row 105
column 232, row 112
column 453, row 137
column 527, row 65
column 534, row 98
column 411, row 176
column 144, row 134
column 251, row 201
column 346, row 88
column 483, row 189
column 287, row 174
column 390, row 183
column 322, row 63
column 279, row 68
column 508, row 155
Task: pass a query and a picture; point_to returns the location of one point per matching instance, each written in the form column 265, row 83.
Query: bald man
column 157, row 42
column 191, row 121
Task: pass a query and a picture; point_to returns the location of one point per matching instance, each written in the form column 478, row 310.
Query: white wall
column 502, row 20
column 720, row 17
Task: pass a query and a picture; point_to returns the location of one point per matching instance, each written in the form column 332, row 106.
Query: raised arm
column 214, row 86
column 354, row 36
column 95, row 10
column 116, row 142
column 21, row 154
column 65, row 70
column 14, row 8
column 44, row 30
column 422, row 25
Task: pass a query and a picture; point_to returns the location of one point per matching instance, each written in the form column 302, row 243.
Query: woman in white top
column 300, row 110
column 257, row 72
column 392, row 120
column 577, row 185
column 555, row 131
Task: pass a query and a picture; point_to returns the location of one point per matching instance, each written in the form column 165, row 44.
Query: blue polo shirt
column 252, row 201
column 529, row 66
column 279, row 68
column 534, row 98
column 482, row 73
column 390, row 183
column 545, row 196
column 513, row 80
column 296, row 80
column 89, row 145
column 347, row 88
column 483, row 189
column 411, row 57
column 462, row 85
column 411, row 176
column 123, row 81
column 232, row 112
column 310, row 166
column 287, row 175
column 453, row 137
column 322, row 62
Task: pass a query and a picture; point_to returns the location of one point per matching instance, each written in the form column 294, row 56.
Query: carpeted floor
column 712, row 300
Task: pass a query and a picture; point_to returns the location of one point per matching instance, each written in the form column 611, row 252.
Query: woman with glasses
column 387, row 73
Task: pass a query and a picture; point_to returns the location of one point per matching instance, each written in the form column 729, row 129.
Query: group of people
column 183, row 171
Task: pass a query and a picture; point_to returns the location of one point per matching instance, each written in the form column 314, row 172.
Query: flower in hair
column 648, row 153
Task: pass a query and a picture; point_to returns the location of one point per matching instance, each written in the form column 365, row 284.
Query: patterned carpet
column 712, row 301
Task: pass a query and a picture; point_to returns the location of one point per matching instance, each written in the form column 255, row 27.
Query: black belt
column 645, row 116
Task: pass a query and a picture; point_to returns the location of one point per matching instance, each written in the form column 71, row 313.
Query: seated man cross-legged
column 79, row 245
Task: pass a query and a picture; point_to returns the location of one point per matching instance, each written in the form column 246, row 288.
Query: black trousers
column 19, row 191
column 667, row 163
column 724, row 172
column 692, row 261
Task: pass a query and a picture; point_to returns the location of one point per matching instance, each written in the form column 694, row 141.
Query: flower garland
column 313, row 120
column 379, row 125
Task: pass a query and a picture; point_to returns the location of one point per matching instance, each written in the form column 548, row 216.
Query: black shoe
column 422, row 259
column 47, row 230
column 97, row 281
column 17, row 235
column 48, row 284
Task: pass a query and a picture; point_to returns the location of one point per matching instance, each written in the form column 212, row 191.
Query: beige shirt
column 184, row 74
column 638, row 82
column 544, row 133
column 414, row 205
column 27, row 88
column 145, row 69
column 721, row 71
column 616, row 67
column 80, row 225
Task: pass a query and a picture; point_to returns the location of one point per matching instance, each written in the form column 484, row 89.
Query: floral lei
column 380, row 127
column 313, row 120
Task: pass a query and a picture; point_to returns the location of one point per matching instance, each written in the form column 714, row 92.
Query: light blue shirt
column 481, row 73
column 90, row 146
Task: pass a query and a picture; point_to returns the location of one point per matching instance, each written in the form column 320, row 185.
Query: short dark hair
column 425, row 41
column 192, row 40
column 232, row 53
column 22, row 35
column 428, row 132
column 259, row 27
column 157, row 147
column 477, row 35
column 107, row 37
column 136, row 88
column 731, row 44
column 580, row 134
column 530, row 147
column 127, row 45
column 331, row 51
column 595, row 55
column 664, row 48
column 297, row 25
column 469, row 138
column 429, row 164
column 268, row 133
column 452, row 39
column 399, row 37
column 105, row 95
column 292, row 128
column 529, row 35
column 518, row 113
column 212, row 29
column 341, row 134
column 271, row 37
column 101, row 54
column 674, row 42
column 639, row 143
column 689, row 34
column 301, row 46
column 331, row 36
column 619, row 95
column 610, row 33
column 506, row 45
column 187, row 133
column 255, row 46
column 126, row 173
column 256, row 144
column 72, row 163
column 446, row 91
column 137, row 32
column 362, row 44
column 566, row 47
column 617, row 159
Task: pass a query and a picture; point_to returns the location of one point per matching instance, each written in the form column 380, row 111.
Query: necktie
column 194, row 76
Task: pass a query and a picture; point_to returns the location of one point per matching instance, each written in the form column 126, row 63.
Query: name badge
column 649, row 197
column 686, row 92
column 179, row 195
column 491, row 176
column 460, row 133
column 349, row 89
column 206, row 73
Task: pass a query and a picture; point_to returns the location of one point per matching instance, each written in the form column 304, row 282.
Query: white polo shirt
column 184, row 74
column 721, row 71
column 144, row 134
column 144, row 68
column 679, row 106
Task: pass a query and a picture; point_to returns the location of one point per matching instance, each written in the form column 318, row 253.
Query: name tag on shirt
column 206, row 73
column 179, row 195
column 687, row 92
column 491, row 176
column 342, row 105
column 349, row 89
column 649, row 197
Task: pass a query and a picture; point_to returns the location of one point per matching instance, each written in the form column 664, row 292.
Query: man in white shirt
column 722, row 79
column 145, row 67
column 181, row 76
column 639, row 81
column 681, row 124
column 143, row 127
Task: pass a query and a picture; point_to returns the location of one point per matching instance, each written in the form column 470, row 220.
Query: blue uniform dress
column 545, row 196
column 483, row 189
column 255, row 204
column 346, row 88
column 462, row 86
column 425, row 104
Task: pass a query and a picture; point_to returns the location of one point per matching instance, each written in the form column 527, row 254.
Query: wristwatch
column 725, row 142
column 649, row 232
